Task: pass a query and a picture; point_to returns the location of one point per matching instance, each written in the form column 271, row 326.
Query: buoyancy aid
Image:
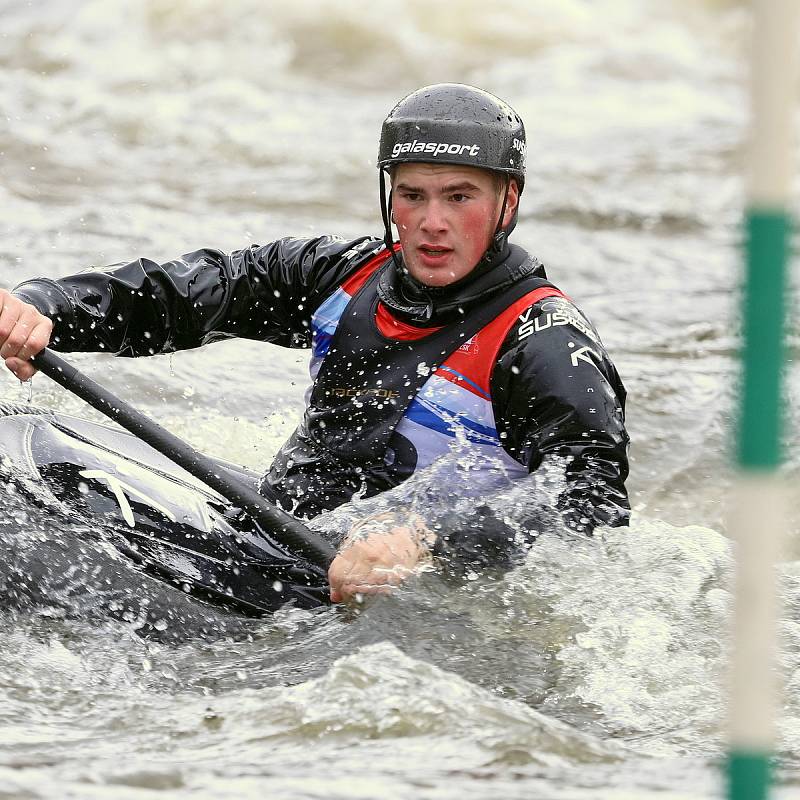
column 389, row 398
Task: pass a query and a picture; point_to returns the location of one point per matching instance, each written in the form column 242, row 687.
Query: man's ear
column 512, row 202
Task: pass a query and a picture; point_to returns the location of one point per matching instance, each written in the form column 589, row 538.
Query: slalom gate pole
column 759, row 507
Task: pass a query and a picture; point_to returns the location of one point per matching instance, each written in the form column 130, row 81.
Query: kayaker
column 447, row 350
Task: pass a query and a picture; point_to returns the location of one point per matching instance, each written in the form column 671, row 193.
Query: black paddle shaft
column 287, row 530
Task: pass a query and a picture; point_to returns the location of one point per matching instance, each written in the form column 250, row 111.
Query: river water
column 596, row 669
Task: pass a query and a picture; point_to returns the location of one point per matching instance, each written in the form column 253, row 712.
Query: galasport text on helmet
column 451, row 123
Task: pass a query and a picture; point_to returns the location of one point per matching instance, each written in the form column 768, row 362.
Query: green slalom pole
column 759, row 505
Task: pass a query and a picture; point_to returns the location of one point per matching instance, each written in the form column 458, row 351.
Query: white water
column 153, row 127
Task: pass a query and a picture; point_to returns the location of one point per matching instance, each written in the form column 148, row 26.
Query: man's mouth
column 434, row 251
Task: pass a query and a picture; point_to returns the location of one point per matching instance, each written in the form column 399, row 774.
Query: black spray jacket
column 543, row 413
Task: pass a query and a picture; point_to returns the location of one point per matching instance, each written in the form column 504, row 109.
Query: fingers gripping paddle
column 287, row 530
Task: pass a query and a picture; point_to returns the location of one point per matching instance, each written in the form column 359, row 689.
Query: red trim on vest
column 393, row 328
column 388, row 325
column 471, row 365
column 364, row 273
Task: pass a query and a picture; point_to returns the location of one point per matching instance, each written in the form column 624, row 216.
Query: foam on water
column 154, row 127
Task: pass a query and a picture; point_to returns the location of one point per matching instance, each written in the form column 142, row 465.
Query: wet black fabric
column 361, row 393
column 424, row 306
column 143, row 307
column 550, row 406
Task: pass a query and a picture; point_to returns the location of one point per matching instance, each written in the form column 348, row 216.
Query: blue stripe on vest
column 325, row 321
column 433, row 416
column 481, row 392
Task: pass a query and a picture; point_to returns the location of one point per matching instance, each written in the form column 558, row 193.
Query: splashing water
column 596, row 666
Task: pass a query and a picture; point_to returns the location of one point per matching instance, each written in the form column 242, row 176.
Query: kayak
column 161, row 519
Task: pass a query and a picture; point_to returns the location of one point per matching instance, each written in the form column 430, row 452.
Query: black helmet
column 451, row 123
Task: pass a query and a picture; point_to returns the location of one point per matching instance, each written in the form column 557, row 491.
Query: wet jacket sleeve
column 560, row 409
column 264, row 292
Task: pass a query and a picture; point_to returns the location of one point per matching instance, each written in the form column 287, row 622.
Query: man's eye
column 459, row 198
column 412, row 197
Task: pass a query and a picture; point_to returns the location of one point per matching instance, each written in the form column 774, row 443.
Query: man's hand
column 378, row 553
column 24, row 332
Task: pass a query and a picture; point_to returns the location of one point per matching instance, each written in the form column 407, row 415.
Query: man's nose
column 434, row 219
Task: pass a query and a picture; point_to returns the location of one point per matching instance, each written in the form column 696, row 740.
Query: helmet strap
column 503, row 208
column 499, row 236
column 386, row 213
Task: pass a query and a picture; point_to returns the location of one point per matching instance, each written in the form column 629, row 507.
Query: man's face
column 445, row 217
